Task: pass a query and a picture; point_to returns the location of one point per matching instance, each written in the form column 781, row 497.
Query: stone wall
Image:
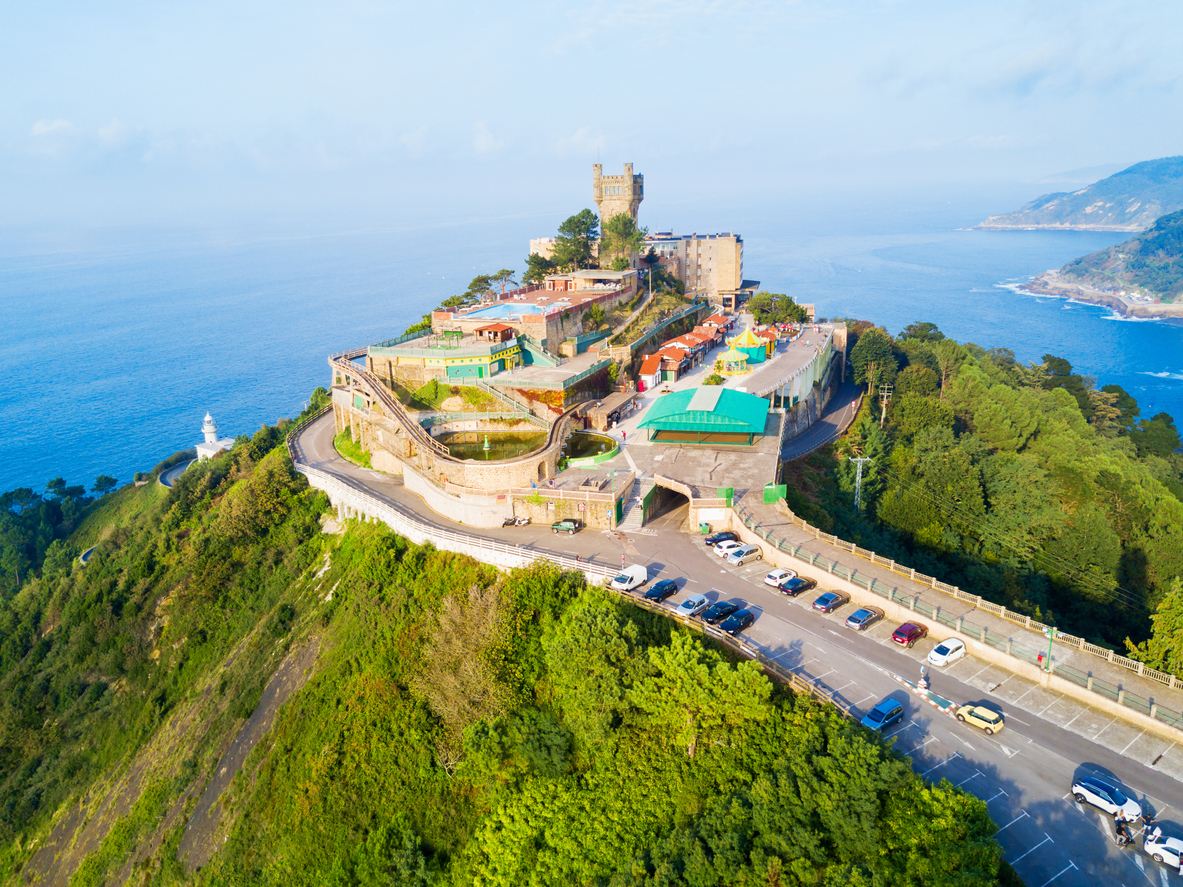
column 810, row 408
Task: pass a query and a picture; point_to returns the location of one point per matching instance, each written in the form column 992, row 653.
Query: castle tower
column 209, row 429
column 617, row 194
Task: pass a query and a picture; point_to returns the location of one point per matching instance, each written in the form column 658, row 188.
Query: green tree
column 775, row 308
column 538, row 268
column 1126, row 403
column 503, row 279
column 1156, row 436
column 620, row 263
column 873, row 359
column 390, row 856
column 1164, row 649
column 922, row 332
column 103, row 484
column 620, row 238
column 573, row 245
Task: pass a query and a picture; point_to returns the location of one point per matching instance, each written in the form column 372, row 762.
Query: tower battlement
column 617, row 194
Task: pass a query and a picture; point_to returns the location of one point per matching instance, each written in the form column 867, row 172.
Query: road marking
column 954, row 757
column 904, row 727
column 1024, row 696
column 1138, row 861
column 1006, row 751
column 1046, row 838
column 976, row 774
column 1070, row 865
column 976, row 673
column 1050, row 704
column 695, row 581
column 920, row 746
column 1131, row 742
column 997, row 796
column 1012, row 822
column 864, row 699
column 1017, row 721
column 1103, row 729
column 1162, row 877
column 1078, row 714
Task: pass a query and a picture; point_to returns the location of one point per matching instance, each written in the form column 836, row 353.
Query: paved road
column 840, row 412
column 1023, row 773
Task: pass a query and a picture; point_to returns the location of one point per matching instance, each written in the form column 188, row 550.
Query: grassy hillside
column 226, row 695
column 1150, row 264
column 1130, row 200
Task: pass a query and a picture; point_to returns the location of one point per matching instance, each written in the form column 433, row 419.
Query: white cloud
column 114, row 135
column 46, row 127
column 486, row 142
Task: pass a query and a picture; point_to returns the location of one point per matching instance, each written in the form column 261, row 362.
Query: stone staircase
column 634, row 513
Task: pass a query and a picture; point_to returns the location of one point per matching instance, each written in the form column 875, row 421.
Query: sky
column 134, row 113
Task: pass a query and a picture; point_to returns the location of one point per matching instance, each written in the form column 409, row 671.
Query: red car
column 909, row 633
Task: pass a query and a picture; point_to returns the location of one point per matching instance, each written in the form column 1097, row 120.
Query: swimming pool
column 505, row 309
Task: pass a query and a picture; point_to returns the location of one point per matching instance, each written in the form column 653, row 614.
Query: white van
column 743, row 554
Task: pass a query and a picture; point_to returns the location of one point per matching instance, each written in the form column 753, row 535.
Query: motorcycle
column 522, row 522
column 1124, row 836
column 510, row 522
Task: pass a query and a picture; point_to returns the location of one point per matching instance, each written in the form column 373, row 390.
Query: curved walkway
column 840, row 413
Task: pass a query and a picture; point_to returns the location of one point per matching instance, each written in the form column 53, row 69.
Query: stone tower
column 617, row 194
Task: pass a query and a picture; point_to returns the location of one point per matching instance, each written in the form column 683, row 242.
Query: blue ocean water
column 115, row 346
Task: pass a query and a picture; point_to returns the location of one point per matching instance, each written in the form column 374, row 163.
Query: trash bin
column 704, row 528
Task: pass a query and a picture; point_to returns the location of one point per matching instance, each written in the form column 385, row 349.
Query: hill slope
column 1127, row 201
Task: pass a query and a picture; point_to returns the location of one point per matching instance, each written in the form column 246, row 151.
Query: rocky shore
column 1051, row 283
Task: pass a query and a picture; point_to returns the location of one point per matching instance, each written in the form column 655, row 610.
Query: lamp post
column 1051, row 638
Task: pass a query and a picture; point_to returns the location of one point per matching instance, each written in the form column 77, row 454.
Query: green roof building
column 708, row 414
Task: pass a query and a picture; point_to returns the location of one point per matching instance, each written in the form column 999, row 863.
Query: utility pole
column 884, row 396
column 1051, row 639
column 858, row 480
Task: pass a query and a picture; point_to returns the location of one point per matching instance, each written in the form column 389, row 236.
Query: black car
column 719, row 611
column 737, row 621
column 661, row 590
column 726, row 536
column 796, row 585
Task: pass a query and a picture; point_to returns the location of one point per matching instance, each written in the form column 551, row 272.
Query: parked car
column 725, row 536
column 1105, row 796
column 909, row 633
column 719, row 611
column 743, row 554
column 1167, row 850
column 725, row 548
column 946, row 652
column 692, row 606
column 883, row 714
column 633, row 576
column 661, row 590
column 737, row 621
column 863, row 618
column 568, row 525
column 830, row 601
column 796, row 585
column 776, row 577
column 981, row 717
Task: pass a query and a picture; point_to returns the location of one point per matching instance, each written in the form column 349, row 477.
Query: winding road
column 1023, row 773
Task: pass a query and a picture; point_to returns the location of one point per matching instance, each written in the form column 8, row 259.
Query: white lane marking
column 1073, row 721
column 1103, row 729
column 1017, row 720
column 1050, row 704
column 1068, row 867
column 967, row 743
column 976, row 774
column 913, row 751
column 903, row 727
column 1162, row 877
column 976, row 673
column 1131, row 742
column 1024, row 696
column 1012, row 822
column 1046, row 838
column 954, row 757
column 1139, row 863
column 997, row 796
column 1010, row 753
column 695, row 581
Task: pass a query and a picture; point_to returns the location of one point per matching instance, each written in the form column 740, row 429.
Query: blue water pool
column 505, row 309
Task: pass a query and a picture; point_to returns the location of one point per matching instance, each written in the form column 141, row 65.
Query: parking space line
column 1078, row 714
column 1131, row 742
column 975, row 775
column 1103, row 729
column 904, row 727
column 954, row 757
column 1046, row 838
column 997, row 796
column 1070, row 865
column 976, row 673
column 1012, row 822
column 1050, row 704
column 913, row 751
column 1024, row 696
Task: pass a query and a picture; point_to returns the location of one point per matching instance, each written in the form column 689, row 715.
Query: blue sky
column 134, row 112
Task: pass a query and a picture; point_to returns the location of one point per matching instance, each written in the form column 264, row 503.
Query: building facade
column 617, row 194
column 708, row 264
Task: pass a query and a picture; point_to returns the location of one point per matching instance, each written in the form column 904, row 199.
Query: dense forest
column 1152, row 262
column 1026, row 484
column 446, row 724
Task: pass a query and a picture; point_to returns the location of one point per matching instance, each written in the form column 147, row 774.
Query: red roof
column 650, row 365
column 718, row 319
column 493, row 328
column 767, row 334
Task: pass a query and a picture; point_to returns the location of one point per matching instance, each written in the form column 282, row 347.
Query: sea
column 116, row 342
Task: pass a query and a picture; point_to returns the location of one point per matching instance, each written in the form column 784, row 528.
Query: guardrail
column 965, row 626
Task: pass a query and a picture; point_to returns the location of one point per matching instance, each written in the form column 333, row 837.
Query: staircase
column 634, row 512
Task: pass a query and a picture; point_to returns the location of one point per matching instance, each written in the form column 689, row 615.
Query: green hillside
column 1150, row 264
column 1130, row 200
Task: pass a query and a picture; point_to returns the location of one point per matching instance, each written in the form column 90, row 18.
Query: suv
column 884, row 713
column 568, row 525
column 1105, row 796
column 909, row 633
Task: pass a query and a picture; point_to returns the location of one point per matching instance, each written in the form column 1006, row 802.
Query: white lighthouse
column 212, row 444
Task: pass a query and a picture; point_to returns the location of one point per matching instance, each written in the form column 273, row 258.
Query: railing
column 448, row 418
column 406, row 337
column 963, row 624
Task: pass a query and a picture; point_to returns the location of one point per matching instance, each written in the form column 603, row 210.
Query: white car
column 1160, row 849
column 776, row 577
column 947, row 652
column 1105, row 796
column 692, row 606
column 725, row 548
column 631, row 577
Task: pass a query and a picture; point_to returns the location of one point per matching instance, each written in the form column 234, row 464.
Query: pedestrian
column 623, row 436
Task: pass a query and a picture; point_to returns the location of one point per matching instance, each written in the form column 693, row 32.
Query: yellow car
column 981, row 717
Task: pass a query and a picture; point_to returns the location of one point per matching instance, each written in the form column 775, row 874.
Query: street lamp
column 1051, row 638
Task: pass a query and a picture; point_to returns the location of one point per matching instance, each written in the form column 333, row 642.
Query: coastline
column 1049, row 284
column 1035, row 226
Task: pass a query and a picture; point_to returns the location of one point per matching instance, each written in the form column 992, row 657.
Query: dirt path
column 205, row 831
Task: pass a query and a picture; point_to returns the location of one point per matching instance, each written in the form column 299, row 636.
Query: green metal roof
column 708, row 408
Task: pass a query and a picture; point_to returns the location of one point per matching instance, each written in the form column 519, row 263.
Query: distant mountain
column 1127, row 201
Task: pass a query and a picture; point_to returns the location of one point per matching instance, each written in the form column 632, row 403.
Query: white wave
column 1115, row 316
column 1178, row 377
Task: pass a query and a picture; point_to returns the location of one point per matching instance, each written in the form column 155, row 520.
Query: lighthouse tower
column 211, row 445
